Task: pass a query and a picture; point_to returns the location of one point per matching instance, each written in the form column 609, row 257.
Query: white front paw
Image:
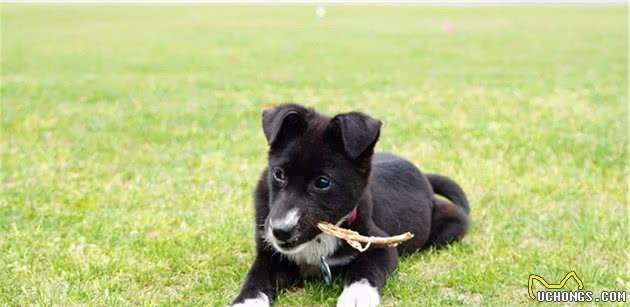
column 359, row 294
column 260, row 301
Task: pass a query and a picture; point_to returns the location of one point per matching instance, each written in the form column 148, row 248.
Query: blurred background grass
column 130, row 143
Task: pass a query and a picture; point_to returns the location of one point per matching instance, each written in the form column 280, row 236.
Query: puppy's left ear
column 359, row 132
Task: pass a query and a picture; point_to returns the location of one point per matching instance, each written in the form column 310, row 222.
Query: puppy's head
column 318, row 170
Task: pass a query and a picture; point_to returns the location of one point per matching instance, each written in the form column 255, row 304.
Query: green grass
column 131, row 143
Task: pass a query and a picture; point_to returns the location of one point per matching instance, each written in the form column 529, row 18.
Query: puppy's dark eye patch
column 322, row 183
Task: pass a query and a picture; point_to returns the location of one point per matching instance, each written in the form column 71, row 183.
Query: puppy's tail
column 448, row 188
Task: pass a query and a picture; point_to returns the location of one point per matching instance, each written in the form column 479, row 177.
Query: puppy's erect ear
column 282, row 120
column 359, row 132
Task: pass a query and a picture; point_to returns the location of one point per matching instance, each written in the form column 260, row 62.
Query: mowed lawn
column 131, row 143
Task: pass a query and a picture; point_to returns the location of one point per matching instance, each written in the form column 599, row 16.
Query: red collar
column 354, row 216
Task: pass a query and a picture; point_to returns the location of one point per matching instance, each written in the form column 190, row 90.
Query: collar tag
column 325, row 270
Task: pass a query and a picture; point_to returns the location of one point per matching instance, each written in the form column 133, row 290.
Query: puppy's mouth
column 299, row 240
column 288, row 245
column 292, row 246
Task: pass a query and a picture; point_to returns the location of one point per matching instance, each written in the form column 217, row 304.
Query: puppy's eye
column 322, row 183
column 278, row 174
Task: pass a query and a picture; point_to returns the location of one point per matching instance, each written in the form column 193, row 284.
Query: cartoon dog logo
column 552, row 286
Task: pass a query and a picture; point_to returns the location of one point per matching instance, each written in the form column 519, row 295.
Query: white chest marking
column 309, row 252
column 359, row 293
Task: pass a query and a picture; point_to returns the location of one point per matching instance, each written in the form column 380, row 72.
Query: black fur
column 390, row 194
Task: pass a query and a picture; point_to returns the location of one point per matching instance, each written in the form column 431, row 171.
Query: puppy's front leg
column 266, row 274
column 366, row 276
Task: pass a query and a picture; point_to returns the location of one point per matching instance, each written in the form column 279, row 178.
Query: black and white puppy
column 325, row 169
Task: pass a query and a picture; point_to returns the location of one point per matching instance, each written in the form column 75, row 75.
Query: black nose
column 282, row 233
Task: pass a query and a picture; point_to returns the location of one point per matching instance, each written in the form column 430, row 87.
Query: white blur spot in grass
column 320, row 11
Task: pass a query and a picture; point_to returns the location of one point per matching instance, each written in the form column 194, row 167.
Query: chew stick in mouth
column 355, row 239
